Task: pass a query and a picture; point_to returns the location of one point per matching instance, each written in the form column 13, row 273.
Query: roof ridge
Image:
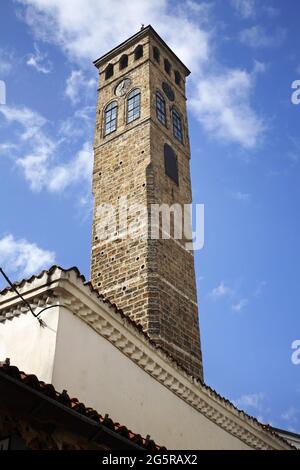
column 48, row 271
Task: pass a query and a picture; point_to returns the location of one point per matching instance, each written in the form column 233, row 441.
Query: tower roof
column 139, row 34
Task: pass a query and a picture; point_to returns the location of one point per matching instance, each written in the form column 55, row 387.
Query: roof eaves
column 73, row 407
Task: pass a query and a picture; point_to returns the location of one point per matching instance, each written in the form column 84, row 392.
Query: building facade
column 141, row 164
column 127, row 342
column 89, row 348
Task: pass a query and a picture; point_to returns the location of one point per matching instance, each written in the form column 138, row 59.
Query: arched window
column 156, row 54
column 177, row 125
column 167, row 66
column 161, row 108
column 177, row 77
column 109, row 71
column 123, row 63
column 138, row 52
column 171, row 167
column 133, row 105
column 110, row 117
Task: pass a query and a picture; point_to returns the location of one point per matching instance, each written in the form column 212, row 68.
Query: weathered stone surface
column 153, row 281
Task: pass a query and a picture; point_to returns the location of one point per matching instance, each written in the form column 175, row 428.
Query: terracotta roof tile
column 139, row 328
column 73, row 403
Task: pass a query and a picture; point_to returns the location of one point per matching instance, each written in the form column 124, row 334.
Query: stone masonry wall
column 153, row 281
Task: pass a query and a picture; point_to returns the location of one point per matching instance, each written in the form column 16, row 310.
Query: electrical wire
column 36, row 315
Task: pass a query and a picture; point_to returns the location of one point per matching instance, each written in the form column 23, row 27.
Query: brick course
column 153, row 281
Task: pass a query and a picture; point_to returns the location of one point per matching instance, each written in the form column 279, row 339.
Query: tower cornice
column 139, row 35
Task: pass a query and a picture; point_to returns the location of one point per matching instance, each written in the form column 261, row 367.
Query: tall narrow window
column 177, row 77
column 109, row 71
column 133, row 105
column 123, row 62
column 161, row 108
column 171, row 167
column 110, row 118
column 138, row 52
column 177, row 125
column 167, row 66
column 156, row 54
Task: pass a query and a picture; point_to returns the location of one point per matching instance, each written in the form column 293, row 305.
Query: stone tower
column 141, row 159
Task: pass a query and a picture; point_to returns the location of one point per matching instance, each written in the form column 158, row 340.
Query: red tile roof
column 138, row 327
column 64, row 399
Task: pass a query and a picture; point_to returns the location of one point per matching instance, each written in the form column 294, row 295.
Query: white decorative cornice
column 66, row 288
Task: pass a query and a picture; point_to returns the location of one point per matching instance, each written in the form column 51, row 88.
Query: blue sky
column 245, row 144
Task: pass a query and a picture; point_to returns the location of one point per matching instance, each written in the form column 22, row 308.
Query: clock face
column 123, row 87
column 168, row 91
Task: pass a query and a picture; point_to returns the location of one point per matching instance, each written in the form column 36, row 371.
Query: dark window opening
column 156, row 54
column 168, row 91
column 161, row 108
column 177, row 125
column 167, row 66
column 138, row 52
column 110, row 118
column 133, row 105
column 177, row 78
column 123, row 62
column 109, row 71
column 171, row 167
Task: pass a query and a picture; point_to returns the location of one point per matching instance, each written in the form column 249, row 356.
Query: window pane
column 133, row 105
column 161, row 108
column 177, row 126
column 110, row 118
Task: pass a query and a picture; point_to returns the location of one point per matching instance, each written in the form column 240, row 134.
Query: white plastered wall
column 29, row 346
column 91, row 368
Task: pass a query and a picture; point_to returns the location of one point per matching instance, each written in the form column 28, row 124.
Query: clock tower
column 142, row 166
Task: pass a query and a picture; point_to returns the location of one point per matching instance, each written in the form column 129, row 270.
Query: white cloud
column 257, row 37
column 252, row 401
column 294, row 153
column 39, row 61
column 6, row 62
column 41, row 173
column 259, row 67
column 290, row 415
column 37, row 152
column 78, row 169
column 261, row 285
column 222, row 290
column 79, row 125
column 237, row 307
column 270, row 10
column 230, row 294
column 89, row 28
column 245, row 8
column 28, row 120
column 239, row 196
column 6, row 148
column 85, row 29
column 222, row 105
column 23, row 257
column 249, row 9
column 79, row 86
column 85, row 206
